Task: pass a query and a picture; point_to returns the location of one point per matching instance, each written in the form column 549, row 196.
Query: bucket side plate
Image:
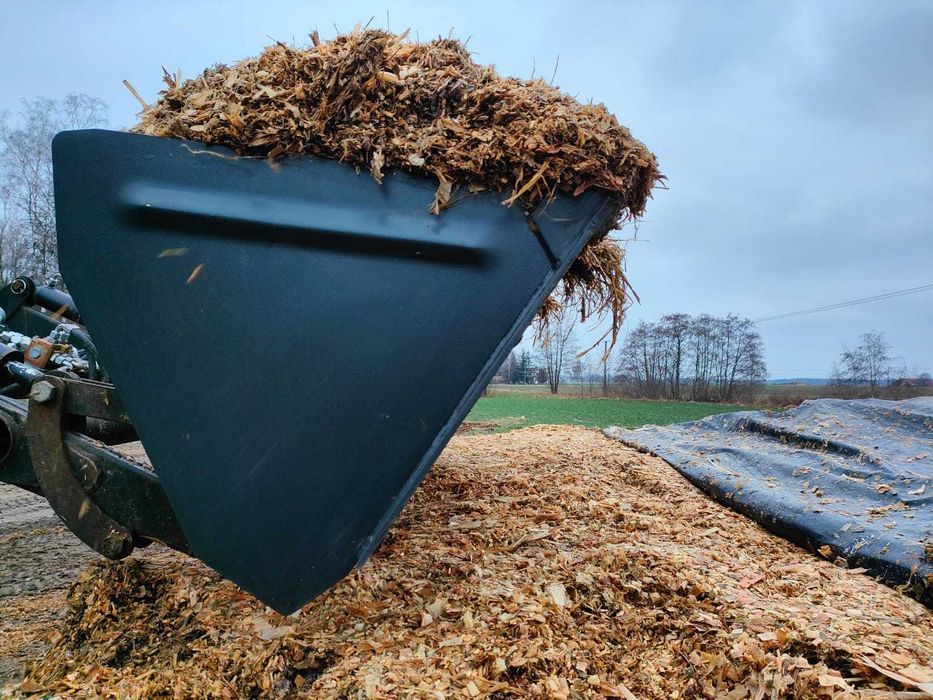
column 294, row 342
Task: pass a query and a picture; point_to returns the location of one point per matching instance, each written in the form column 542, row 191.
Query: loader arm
column 293, row 342
column 55, row 427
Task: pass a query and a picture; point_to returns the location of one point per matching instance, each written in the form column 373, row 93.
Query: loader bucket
column 294, row 342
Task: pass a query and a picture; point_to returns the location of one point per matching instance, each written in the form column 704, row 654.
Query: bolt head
column 42, row 392
column 115, row 545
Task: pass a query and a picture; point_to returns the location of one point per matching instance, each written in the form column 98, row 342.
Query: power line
column 851, row 302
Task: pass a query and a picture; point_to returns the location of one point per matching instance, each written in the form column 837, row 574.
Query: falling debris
column 546, row 562
column 172, row 252
column 195, row 273
column 375, row 100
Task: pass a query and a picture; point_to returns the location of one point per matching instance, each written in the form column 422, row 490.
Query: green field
column 507, row 410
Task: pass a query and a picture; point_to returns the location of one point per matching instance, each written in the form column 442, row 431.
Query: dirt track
column 39, row 560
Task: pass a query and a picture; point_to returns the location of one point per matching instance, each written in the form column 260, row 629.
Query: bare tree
column 675, row 331
column 12, row 242
column 576, row 373
column 15, row 246
column 642, row 361
column 740, row 356
column 558, row 345
column 26, row 177
column 712, row 359
column 506, row 371
column 702, row 349
column 867, row 365
column 592, row 374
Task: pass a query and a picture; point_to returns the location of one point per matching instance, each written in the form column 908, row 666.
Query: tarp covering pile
column 852, row 478
column 376, row 101
column 550, row 562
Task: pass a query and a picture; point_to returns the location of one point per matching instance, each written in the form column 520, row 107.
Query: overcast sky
column 797, row 138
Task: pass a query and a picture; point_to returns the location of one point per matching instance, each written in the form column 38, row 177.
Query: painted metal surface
column 294, row 342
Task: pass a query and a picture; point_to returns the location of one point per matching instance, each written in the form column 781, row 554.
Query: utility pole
column 605, row 368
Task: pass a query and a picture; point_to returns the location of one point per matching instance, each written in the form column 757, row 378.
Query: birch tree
column 26, row 184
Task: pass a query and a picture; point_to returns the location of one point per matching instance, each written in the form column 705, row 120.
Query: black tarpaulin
column 853, row 475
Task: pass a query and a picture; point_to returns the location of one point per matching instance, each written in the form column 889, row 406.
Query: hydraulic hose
column 93, row 359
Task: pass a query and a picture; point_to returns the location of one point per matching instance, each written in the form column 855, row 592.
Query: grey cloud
column 795, row 135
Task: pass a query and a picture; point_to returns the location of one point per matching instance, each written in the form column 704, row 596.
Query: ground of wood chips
column 546, row 562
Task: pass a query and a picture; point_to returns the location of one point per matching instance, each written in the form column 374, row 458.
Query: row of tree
column 27, row 198
column 519, row 368
column 527, row 368
column 696, row 358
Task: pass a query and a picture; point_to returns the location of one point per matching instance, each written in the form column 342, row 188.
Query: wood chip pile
column 547, row 562
column 377, row 101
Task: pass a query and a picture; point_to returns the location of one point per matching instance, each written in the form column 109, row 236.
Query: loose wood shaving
column 546, row 562
column 378, row 101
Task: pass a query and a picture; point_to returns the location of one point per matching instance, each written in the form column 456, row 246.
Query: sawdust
column 26, row 623
column 375, row 100
column 546, row 562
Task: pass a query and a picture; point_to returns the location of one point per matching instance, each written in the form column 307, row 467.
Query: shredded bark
column 377, row 101
column 548, row 562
